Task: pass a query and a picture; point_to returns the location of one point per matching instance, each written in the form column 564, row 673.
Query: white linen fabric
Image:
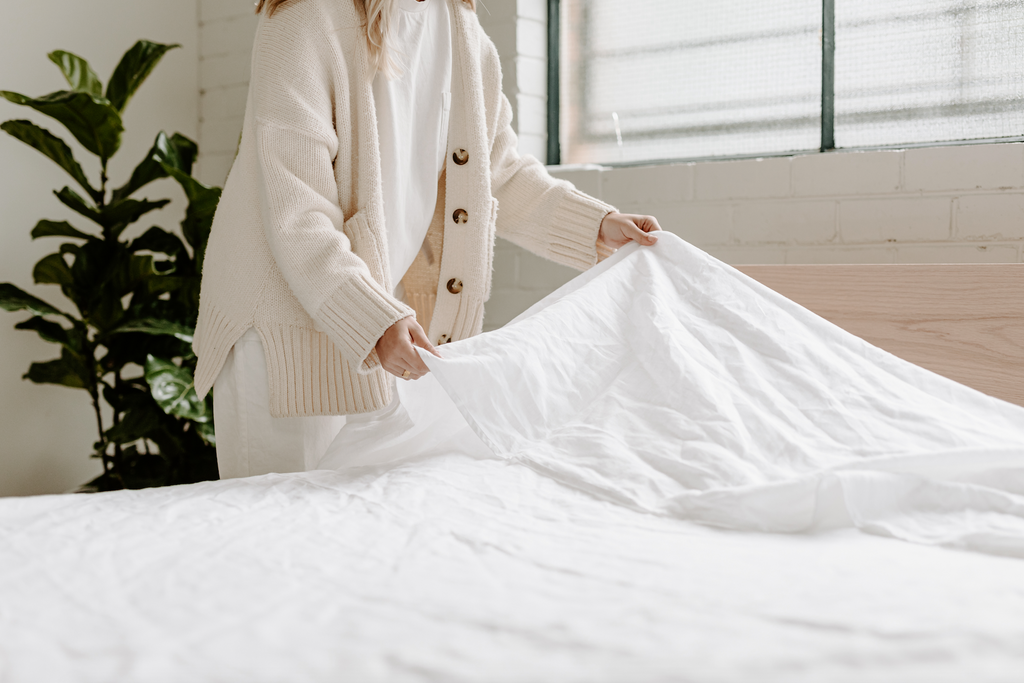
column 454, row 569
column 412, row 123
column 666, row 381
column 249, row 440
column 520, row 545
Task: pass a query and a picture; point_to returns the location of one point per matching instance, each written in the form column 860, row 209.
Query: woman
column 375, row 153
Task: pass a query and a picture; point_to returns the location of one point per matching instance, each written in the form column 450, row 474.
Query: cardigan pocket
column 369, row 245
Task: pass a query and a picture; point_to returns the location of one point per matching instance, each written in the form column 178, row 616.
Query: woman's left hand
column 619, row 229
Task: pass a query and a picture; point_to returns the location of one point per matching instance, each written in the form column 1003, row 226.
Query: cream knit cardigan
column 298, row 248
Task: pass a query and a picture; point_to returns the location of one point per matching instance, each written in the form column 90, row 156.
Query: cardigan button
column 460, row 216
column 460, row 157
column 455, row 286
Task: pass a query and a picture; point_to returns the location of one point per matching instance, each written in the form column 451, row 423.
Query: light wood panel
column 964, row 321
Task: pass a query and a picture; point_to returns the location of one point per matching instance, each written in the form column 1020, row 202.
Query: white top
column 412, row 122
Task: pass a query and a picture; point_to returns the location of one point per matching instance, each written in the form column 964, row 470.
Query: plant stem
column 103, row 184
column 117, row 420
column 94, row 394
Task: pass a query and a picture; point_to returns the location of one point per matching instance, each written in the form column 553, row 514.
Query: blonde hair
column 379, row 22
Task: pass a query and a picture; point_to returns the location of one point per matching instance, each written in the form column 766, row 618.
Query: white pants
column 249, row 440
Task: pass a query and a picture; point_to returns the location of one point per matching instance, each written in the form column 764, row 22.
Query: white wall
column 46, row 432
column 226, row 29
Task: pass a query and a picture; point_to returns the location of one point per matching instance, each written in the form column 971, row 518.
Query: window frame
column 828, row 50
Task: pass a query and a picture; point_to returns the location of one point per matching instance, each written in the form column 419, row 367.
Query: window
column 674, row 79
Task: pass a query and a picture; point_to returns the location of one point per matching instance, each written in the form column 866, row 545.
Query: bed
column 419, row 556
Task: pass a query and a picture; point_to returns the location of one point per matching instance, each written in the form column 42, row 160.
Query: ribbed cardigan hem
column 308, row 374
column 357, row 314
column 578, row 222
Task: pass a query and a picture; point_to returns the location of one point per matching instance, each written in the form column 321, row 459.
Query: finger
column 647, row 225
column 650, row 224
column 411, row 359
column 634, row 233
column 420, row 339
column 407, row 373
column 394, row 370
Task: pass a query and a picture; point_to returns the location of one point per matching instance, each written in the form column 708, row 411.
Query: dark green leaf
column 92, row 120
column 136, row 424
column 115, row 217
column 186, row 150
column 205, row 430
column 178, row 152
column 156, row 327
column 127, row 396
column 158, row 240
column 76, row 202
column 78, row 73
column 134, row 68
column 53, row 147
column 52, row 270
column 119, row 216
column 49, row 331
column 68, row 370
column 58, row 229
column 174, row 390
column 14, row 299
column 202, row 205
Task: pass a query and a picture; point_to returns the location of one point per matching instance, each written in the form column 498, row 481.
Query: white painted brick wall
column 940, row 204
column 226, row 29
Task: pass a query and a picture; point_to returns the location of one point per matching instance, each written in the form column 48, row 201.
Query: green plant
column 129, row 344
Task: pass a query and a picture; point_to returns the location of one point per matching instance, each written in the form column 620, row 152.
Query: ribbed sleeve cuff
column 576, row 225
column 356, row 315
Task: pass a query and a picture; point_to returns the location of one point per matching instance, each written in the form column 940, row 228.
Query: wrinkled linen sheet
column 668, row 382
column 547, row 506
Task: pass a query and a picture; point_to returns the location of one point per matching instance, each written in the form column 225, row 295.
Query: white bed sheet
column 541, row 553
column 456, row 569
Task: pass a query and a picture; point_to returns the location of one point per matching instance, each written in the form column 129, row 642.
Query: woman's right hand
column 396, row 349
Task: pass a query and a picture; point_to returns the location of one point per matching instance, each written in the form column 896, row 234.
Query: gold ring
column 405, row 375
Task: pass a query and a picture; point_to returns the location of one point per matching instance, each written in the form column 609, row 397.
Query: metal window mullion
column 554, row 104
column 828, row 74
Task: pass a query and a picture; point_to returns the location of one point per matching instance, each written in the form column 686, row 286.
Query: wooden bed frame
column 964, row 321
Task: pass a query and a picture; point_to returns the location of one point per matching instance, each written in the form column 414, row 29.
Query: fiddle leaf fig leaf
column 47, row 330
column 202, row 205
column 186, row 152
column 174, row 390
column 53, row 148
column 78, row 73
column 155, row 326
column 114, row 217
column 69, row 370
column 91, row 119
column 133, row 69
column 177, row 151
column 158, row 240
column 205, row 430
column 76, row 202
column 119, row 216
column 135, row 424
column 14, row 299
column 58, row 229
column 52, row 270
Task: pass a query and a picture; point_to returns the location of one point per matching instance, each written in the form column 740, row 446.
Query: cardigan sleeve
column 546, row 216
column 295, row 71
